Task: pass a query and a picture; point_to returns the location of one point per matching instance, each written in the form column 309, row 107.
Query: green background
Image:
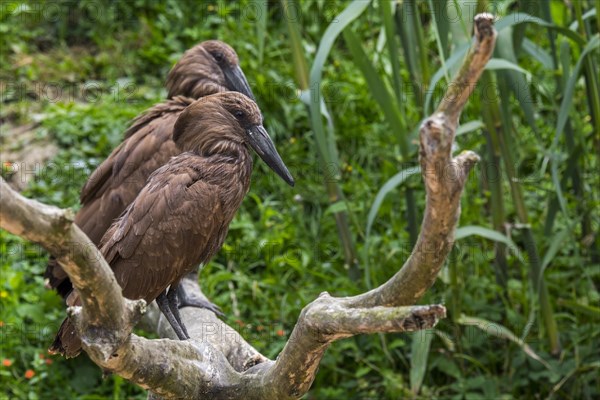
column 77, row 72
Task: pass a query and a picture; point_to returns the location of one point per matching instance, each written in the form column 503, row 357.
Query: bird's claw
column 199, row 303
column 189, row 301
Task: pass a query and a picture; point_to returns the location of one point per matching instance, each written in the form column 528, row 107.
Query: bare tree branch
column 444, row 178
column 110, row 315
column 218, row 362
column 204, row 326
column 211, row 364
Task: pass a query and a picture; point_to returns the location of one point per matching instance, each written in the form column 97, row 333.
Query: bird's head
column 209, row 67
column 212, row 123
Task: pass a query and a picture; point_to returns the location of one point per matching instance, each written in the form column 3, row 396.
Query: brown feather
column 147, row 146
column 128, row 168
column 181, row 216
column 193, row 77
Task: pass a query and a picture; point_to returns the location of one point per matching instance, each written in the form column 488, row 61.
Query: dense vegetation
column 521, row 286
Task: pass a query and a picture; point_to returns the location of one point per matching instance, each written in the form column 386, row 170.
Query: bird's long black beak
column 237, row 81
column 259, row 140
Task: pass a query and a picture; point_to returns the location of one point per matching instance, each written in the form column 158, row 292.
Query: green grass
column 283, row 248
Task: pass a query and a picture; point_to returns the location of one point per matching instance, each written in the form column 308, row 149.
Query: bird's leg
column 163, row 305
column 190, row 299
column 174, row 305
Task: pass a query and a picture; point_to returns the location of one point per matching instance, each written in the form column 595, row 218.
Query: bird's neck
column 220, row 146
column 194, row 86
column 209, row 137
column 218, row 140
column 228, row 164
column 193, row 77
column 223, row 147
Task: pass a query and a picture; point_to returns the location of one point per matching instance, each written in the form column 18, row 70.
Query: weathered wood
column 216, row 365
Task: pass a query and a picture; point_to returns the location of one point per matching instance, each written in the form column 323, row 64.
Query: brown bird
column 182, row 215
column 210, row 67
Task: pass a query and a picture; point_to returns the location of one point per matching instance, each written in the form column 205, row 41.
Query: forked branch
column 218, row 362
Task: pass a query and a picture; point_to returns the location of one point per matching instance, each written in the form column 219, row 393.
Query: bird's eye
column 218, row 56
column 239, row 114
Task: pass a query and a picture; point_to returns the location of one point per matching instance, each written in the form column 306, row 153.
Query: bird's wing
column 118, row 180
column 141, row 127
column 175, row 223
column 176, row 104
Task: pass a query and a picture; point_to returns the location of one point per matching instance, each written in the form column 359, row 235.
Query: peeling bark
column 217, row 361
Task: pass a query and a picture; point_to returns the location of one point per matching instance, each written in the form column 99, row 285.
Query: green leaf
column 592, row 311
column 353, row 11
column 555, row 246
column 538, row 53
column 565, row 105
column 475, row 230
column 522, row 18
column 447, row 66
column 579, row 369
column 336, row 208
column 495, row 329
column 262, row 7
column 465, row 231
column 300, row 65
column 387, row 187
column 388, row 25
column 500, row 63
column 409, row 27
column 575, row 25
column 443, row 26
column 378, row 90
column 446, row 339
column 469, row 127
column 563, row 115
column 516, row 82
column 421, row 343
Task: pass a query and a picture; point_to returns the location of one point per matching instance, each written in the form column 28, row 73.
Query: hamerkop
column 181, row 216
column 209, row 67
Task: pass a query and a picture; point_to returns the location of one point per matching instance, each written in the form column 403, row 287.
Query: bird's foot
column 198, row 302
column 173, row 303
column 174, row 321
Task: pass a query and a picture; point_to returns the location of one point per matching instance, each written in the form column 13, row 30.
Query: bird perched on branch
column 181, row 216
column 209, row 67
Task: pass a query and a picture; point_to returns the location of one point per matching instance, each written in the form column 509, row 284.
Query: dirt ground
column 22, row 152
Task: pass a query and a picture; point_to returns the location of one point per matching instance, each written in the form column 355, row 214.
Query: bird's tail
column 56, row 278
column 67, row 341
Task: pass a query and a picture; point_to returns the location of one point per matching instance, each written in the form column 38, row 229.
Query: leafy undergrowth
column 282, row 249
